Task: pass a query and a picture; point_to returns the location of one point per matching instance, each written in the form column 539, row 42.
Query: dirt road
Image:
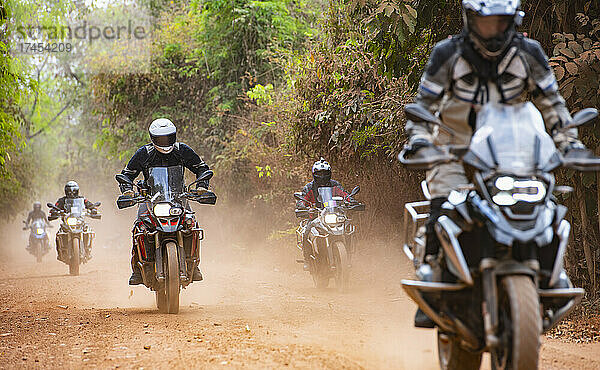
column 251, row 311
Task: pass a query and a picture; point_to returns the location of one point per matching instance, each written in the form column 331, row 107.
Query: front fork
column 160, row 274
column 489, row 305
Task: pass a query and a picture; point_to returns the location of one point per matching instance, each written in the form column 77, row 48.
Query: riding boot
column 136, row 274
column 432, row 247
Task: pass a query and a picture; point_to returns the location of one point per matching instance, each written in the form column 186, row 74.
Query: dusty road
column 251, row 311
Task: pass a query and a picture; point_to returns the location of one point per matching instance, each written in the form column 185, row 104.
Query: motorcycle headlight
column 332, row 218
column 176, row 211
column 162, row 209
column 507, row 191
column 39, row 231
column 72, row 221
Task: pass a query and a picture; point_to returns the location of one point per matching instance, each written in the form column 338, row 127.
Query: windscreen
column 326, row 197
column 75, row 206
column 165, row 183
column 38, row 223
column 512, row 139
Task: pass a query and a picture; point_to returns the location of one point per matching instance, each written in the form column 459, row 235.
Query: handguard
column 425, row 158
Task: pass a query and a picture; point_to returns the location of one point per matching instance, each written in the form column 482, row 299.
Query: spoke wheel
column 342, row 266
column 452, row 356
column 172, row 278
column 75, row 257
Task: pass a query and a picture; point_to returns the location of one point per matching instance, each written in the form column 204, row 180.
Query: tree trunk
column 589, row 259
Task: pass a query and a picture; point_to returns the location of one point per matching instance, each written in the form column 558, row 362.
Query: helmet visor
column 491, row 27
column 164, row 140
column 322, row 176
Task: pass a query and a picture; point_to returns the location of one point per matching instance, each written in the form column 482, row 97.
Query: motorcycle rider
column 163, row 150
column 321, row 172
column 35, row 214
column 489, row 61
column 71, row 192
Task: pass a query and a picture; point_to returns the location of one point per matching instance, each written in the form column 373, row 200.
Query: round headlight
column 330, row 218
column 39, row 231
column 72, row 221
column 176, row 211
column 162, row 209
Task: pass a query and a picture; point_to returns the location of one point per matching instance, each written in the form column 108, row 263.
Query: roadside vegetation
column 262, row 89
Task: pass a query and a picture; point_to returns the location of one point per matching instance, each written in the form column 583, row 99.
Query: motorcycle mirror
column 418, row 113
column 122, row 179
column 207, row 198
column 582, row 117
column 207, row 175
column 124, row 201
column 354, row 191
column 97, row 204
column 298, row 196
column 52, row 206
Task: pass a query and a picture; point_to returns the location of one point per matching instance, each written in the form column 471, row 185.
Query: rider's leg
column 306, row 247
column 136, row 274
column 197, row 275
column 441, row 180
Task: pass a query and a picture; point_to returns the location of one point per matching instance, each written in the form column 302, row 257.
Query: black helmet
column 491, row 24
column 321, row 171
column 37, row 206
column 72, row 189
column 163, row 135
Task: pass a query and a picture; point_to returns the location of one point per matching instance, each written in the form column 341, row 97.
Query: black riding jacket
column 147, row 157
column 60, row 204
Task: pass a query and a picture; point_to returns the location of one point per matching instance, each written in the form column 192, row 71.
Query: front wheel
column 38, row 252
column 320, row 268
column 452, row 356
column 520, row 325
column 342, row 266
column 75, row 257
column 172, row 283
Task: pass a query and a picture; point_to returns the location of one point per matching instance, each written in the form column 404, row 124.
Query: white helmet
column 492, row 40
column 321, row 171
column 163, row 134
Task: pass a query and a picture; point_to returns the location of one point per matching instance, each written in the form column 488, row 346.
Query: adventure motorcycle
column 498, row 282
column 330, row 237
column 75, row 236
column 167, row 236
column 38, row 238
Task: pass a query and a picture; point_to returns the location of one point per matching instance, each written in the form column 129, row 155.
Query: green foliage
column 261, row 94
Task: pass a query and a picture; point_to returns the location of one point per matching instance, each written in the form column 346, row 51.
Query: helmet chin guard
column 72, row 189
column 321, row 171
column 163, row 134
column 491, row 47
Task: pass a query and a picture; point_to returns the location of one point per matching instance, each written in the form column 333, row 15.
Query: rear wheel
column 452, row 356
column 520, row 325
column 75, row 257
column 342, row 266
column 172, row 278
